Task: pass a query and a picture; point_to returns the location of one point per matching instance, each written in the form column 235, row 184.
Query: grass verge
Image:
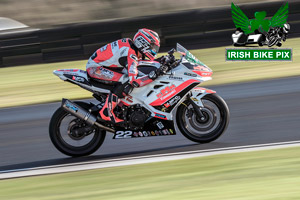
column 261, row 175
column 34, row 84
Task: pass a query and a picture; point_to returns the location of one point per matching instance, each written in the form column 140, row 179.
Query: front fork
column 195, row 99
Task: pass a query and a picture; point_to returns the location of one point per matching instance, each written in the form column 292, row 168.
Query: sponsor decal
column 175, row 77
column 194, row 99
column 103, row 48
column 160, row 116
column 160, row 125
column 78, row 78
column 133, row 68
column 124, row 40
column 71, row 106
column 190, row 74
column 141, row 134
column 136, row 134
column 103, row 73
column 93, row 56
column 166, row 91
column 114, row 44
column 145, row 78
column 133, row 57
column 145, row 133
column 171, row 102
column 68, row 70
column 141, row 43
column 151, row 63
column 171, row 131
column 123, row 52
column 129, row 99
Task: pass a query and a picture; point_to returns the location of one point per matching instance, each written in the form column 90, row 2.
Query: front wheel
column 73, row 136
column 209, row 128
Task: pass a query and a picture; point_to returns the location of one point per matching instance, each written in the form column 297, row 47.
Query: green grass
column 261, row 175
column 36, row 84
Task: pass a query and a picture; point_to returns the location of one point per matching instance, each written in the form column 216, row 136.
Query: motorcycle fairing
column 163, row 95
column 152, row 127
column 78, row 77
column 198, row 93
column 201, row 70
column 171, row 103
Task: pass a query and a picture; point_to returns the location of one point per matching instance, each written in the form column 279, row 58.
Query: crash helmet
column 286, row 28
column 147, row 42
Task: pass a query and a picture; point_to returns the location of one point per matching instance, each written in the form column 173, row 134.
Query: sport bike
column 171, row 103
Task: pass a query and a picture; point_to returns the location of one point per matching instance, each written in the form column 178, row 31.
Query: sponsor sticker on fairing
column 145, row 133
column 78, row 78
column 175, row 77
column 172, row 101
column 160, row 125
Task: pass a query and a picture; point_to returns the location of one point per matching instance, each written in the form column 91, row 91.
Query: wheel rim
column 66, row 134
column 198, row 127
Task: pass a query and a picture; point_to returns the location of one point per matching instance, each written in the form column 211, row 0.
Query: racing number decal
column 136, row 134
column 123, row 134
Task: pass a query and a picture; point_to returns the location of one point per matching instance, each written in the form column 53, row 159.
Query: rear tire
column 203, row 131
column 59, row 142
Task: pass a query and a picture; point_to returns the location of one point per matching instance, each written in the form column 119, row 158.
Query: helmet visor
column 154, row 49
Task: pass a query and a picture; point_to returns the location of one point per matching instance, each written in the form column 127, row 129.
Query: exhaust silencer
column 82, row 114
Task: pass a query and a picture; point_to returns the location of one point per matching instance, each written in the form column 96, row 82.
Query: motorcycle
column 172, row 101
column 276, row 35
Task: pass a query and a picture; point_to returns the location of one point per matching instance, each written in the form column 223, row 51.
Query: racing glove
column 160, row 71
column 155, row 73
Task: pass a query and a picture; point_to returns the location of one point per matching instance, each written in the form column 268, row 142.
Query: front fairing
column 198, row 68
column 201, row 70
column 183, row 73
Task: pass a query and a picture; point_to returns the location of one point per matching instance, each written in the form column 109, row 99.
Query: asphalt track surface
column 261, row 112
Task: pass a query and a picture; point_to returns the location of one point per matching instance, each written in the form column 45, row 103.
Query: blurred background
column 47, row 13
column 37, row 37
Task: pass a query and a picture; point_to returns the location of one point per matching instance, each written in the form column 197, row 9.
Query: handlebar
column 169, row 62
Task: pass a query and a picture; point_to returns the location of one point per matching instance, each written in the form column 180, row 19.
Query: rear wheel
column 73, row 136
column 208, row 128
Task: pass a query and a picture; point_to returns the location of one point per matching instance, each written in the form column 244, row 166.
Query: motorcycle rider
column 117, row 62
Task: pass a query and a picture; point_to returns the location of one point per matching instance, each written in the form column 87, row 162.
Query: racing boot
column 106, row 113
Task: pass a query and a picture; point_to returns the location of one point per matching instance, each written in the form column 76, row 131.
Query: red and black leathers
column 116, row 62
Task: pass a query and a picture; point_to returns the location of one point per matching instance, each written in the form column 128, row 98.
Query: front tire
column 62, row 134
column 216, row 114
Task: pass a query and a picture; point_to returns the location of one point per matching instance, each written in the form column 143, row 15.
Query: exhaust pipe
column 82, row 114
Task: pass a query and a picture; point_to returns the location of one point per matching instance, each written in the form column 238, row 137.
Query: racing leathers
column 116, row 62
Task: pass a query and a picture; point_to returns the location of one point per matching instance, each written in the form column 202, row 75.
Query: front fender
column 198, row 93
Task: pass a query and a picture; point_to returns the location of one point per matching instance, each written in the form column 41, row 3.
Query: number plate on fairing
column 153, row 127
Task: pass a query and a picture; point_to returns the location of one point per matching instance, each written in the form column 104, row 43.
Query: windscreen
column 189, row 56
